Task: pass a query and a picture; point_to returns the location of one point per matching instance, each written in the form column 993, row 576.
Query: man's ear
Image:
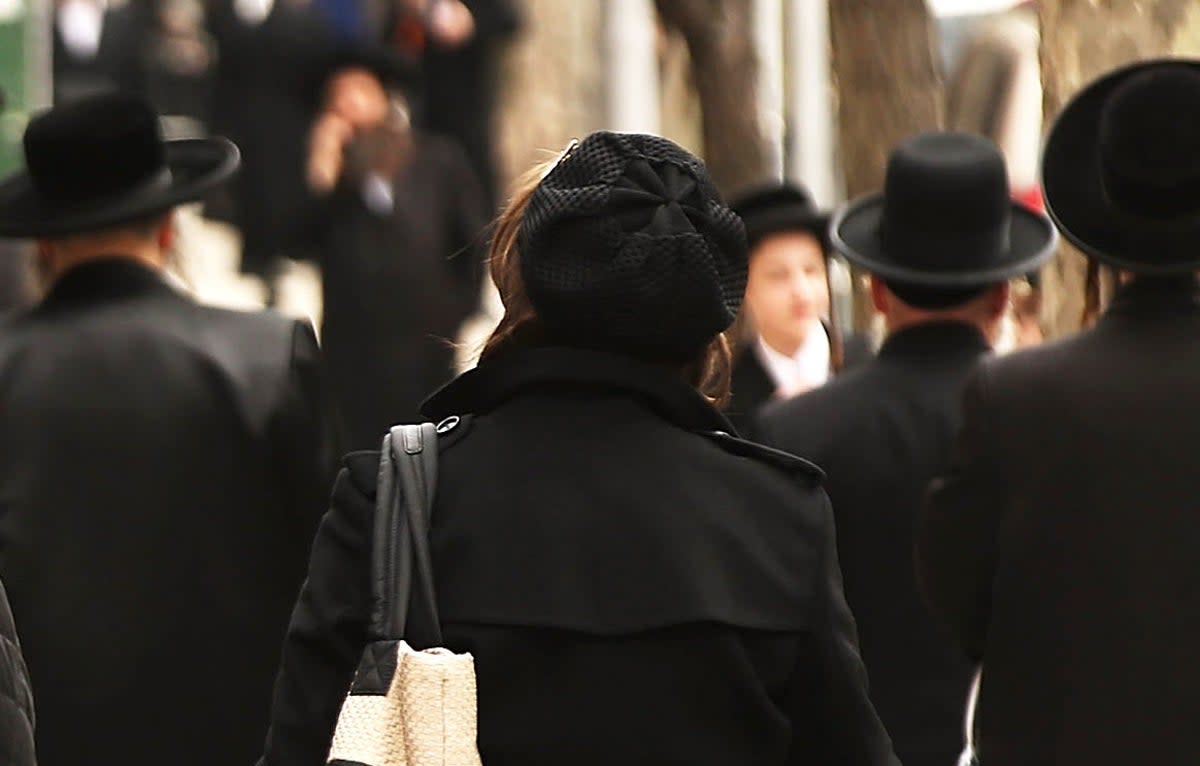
column 879, row 295
column 998, row 297
column 166, row 232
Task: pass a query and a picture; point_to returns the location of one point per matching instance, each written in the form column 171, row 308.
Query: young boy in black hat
column 792, row 346
column 1061, row 544
column 163, row 464
column 940, row 242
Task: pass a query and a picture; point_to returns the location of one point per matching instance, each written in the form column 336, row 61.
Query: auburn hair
column 520, row 327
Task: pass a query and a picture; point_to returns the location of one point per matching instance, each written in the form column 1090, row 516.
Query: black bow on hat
column 102, row 161
column 626, row 246
column 1121, row 169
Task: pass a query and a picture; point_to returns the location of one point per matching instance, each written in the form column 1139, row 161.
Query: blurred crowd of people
column 402, row 90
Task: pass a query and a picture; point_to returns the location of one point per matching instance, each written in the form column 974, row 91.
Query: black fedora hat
column 101, row 161
column 779, row 207
column 944, row 219
column 1121, row 168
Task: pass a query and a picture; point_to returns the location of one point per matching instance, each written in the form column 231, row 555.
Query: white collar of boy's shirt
column 807, row 369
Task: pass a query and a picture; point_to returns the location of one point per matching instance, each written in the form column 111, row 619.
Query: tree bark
column 720, row 41
column 1082, row 39
column 889, row 85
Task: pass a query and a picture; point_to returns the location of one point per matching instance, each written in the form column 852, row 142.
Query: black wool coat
column 881, row 433
column 16, row 696
column 1062, row 543
column 635, row 587
column 162, row 470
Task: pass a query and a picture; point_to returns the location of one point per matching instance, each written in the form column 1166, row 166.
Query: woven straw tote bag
column 407, row 707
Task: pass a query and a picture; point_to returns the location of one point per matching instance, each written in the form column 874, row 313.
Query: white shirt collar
column 807, row 369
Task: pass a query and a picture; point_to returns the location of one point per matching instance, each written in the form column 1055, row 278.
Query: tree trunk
column 1082, row 39
column 720, row 40
column 889, row 85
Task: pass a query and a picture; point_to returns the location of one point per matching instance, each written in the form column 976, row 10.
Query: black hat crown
column 946, row 195
column 780, row 207
column 1121, row 170
column 95, row 148
column 1149, row 141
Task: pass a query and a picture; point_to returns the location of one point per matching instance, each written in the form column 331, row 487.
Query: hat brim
column 855, row 233
column 196, row 166
column 1075, row 198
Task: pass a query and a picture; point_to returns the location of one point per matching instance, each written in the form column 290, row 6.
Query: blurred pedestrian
column 793, row 346
column 98, row 48
column 636, row 586
column 940, row 243
column 400, row 232
column 461, row 69
column 163, row 464
column 273, row 60
column 1061, row 544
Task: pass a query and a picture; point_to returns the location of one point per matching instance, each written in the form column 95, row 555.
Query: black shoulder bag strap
column 401, row 563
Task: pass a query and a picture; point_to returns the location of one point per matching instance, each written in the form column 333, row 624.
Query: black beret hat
column 779, row 207
column 627, row 246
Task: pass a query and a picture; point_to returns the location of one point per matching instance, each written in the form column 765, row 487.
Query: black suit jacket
column 634, row 587
column 881, row 432
column 1062, row 544
column 163, row 466
column 752, row 387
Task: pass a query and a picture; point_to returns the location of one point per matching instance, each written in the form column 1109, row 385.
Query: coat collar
column 499, row 379
column 935, row 340
column 1156, row 296
column 105, row 279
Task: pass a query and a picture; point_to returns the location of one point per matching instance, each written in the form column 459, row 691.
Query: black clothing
column 460, row 87
column 881, row 432
column 1061, row 546
column 162, row 469
column 16, row 697
column 753, row 388
column 635, row 588
column 117, row 64
column 267, row 88
column 16, row 275
column 398, row 286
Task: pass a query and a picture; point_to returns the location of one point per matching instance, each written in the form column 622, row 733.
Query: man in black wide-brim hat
column 940, row 242
column 1062, row 544
column 163, row 464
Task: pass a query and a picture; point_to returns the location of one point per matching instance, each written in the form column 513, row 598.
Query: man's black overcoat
column 881, row 433
column 1062, row 545
column 163, row 466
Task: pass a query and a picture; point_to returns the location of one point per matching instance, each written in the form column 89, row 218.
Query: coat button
column 449, row 424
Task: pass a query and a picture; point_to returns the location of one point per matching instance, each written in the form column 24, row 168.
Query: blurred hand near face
column 451, row 23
